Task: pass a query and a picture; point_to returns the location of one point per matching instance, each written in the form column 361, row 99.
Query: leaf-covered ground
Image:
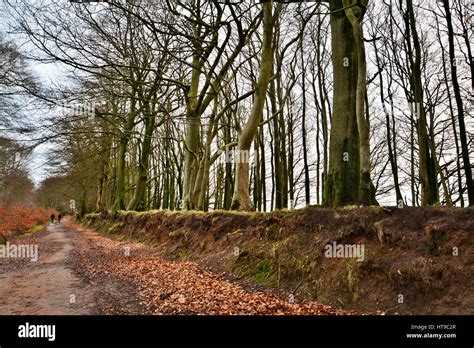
column 81, row 272
column 169, row 287
column 425, row 254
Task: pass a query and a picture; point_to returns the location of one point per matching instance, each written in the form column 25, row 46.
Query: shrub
column 15, row 219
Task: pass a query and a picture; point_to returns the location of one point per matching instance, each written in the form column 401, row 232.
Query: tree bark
column 428, row 180
column 343, row 177
column 138, row 202
column 119, row 203
column 460, row 106
column 241, row 199
column 355, row 15
column 303, row 130
column 193, row 138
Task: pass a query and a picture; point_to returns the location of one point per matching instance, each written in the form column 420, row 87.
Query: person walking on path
column 52, row 216
column 60, row 216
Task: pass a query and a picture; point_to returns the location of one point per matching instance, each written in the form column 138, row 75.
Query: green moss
column 348, row 281
column 112, row 229
column 376, row 209
column 183, row 254
column 216, row 214
column 35, row 229
column 91, row 215
column 142, row 239
column 140, row 213
column 232, row 212
column 350, row 207
column 352, row 280
column 263, row 272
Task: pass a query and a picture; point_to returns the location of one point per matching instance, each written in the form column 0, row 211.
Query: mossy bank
column 409, row 261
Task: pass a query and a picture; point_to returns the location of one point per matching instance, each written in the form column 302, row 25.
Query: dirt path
column 81, row 272
column 50, row 285
column 47, row 286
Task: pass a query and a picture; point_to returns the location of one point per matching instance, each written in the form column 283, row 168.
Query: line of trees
column 208, row 104
column 16, row 185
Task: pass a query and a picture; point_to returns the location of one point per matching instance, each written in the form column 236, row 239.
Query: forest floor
column 409, row 261
column 80, row 272
column 414, row 261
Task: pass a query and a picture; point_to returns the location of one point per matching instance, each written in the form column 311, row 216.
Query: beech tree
column 348, row 179
column 241, row 199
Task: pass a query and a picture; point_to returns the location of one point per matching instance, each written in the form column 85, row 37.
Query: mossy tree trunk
column 229, row 182
column 355, row 15
column 138, row 202
column 241, row 198
column 343, row 177
column 119, row 203
column 193, row 137
column 348, row 179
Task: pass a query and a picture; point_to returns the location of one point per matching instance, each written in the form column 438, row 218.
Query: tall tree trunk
column 138, row 202
column 465, row 19
column 391, row 149
column 241, row 199
column 278, row 172
column 324, row 117
column 228, row 183
column 119, row 203
column 202, row 178
column 460, row 106
column 355, row 15
column 284, row 153
column 257, row 191
column 342, row 186
column 453, row 118
column 263, row 171
column 103, row 177
column 427, row 172
column 192, row 138
column 105, row 159
column 303, row 130
column 414, row 195
column 219, row 178
column 290, row 202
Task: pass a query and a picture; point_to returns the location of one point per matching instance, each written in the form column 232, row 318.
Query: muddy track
column 51, row 285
